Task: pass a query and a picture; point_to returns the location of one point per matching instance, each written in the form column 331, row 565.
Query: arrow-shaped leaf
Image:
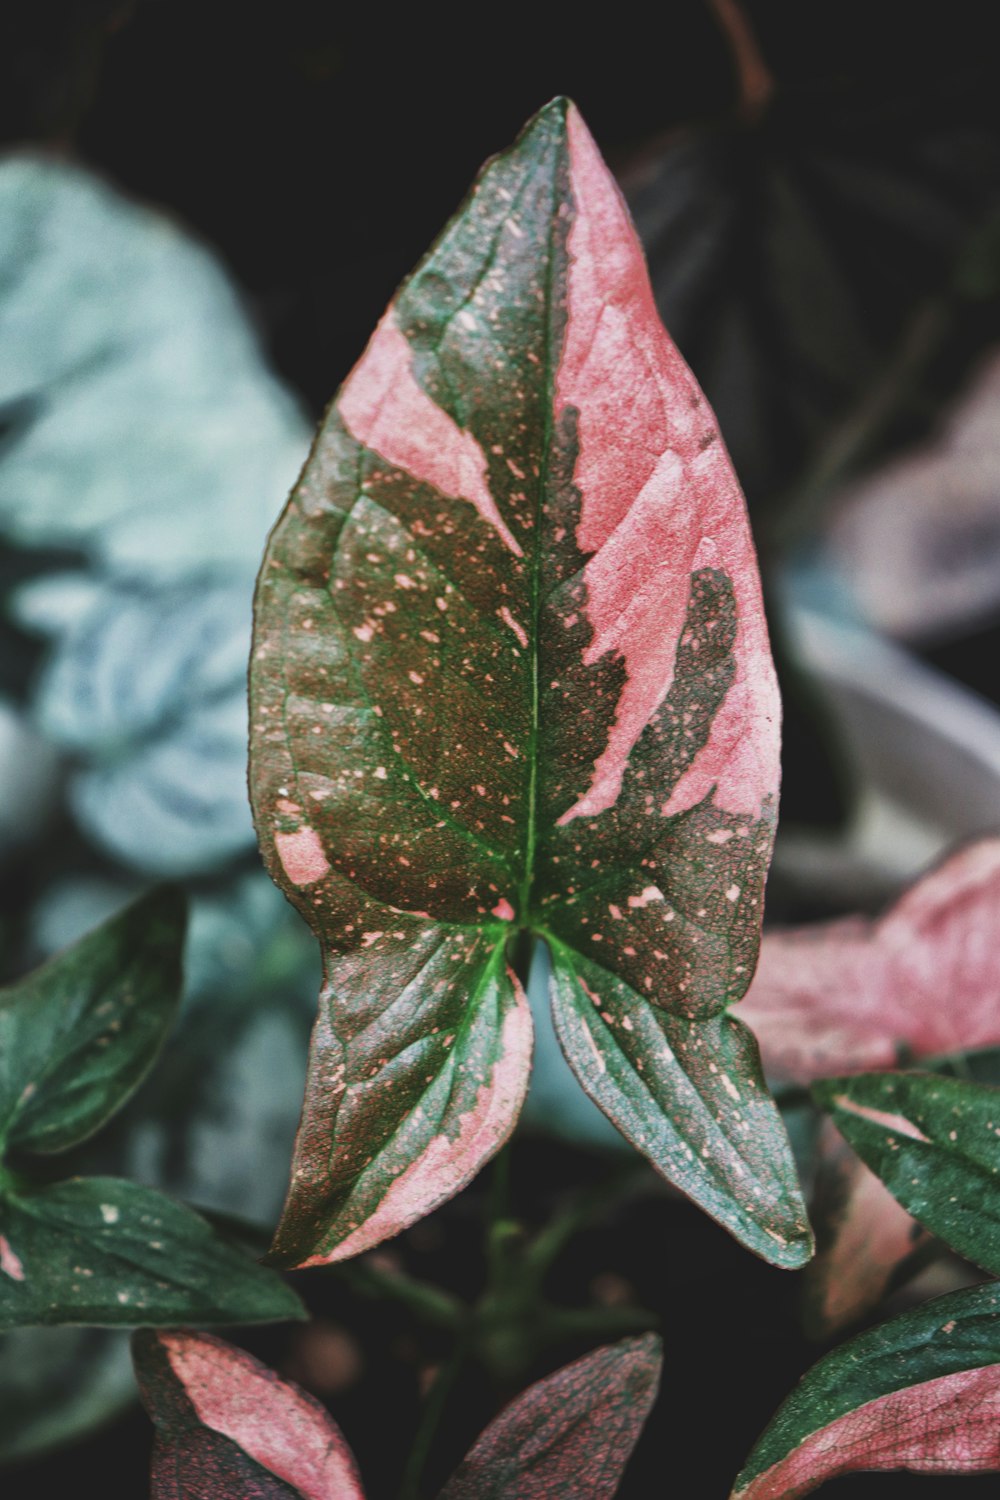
column 571, row 1434
column 511, row 673
column 79, row 1034
column 228, row 1429
column 921, row 1393
column 99, row 1250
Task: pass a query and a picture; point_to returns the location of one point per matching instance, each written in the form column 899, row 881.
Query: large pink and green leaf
column 511, row 674
column 920, row 1393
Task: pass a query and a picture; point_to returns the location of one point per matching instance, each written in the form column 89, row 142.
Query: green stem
column 429, row 1303
column 430, row 1419
column 583, row 1207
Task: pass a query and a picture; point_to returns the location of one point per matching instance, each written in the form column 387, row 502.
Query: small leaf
column 511, row 672
column 921, row 1392
column 228, row 1429
column 571, row 1434
column 104, row 1251
column 854, row 995
column 935, row 1143
column 866, row 1241
column 79, row 1034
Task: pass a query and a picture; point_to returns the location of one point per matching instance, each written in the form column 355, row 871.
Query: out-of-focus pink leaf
column 863, row 1237
column 569, row 1435
column 227, row 1428
column 919, row 540
column 856, row 995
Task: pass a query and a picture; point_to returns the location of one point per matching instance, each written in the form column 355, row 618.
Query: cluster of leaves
column 76, row 1039
column 226, row 1427
column 511, row 686
column 144, row 441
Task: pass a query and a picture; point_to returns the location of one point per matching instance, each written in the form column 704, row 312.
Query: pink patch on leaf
column 273, row 1422
column 943, row 1426
column 449, row 1162
column 504, row 910
column 659, row 500
column 301, row 855
column 10, row 1263
column 389, row 412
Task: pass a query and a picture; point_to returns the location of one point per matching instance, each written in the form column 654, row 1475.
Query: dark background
column 319, row 148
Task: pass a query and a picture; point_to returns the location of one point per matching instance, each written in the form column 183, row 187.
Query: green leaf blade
column 689, row 1094
column 78, row 1036
column 935, row 1143
column 921, row 1392
column 105, row 1252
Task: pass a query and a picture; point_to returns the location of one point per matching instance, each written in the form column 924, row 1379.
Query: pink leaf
column 864, row 1236
column 227, row 1428
column 855, row 995
column 569, row 1435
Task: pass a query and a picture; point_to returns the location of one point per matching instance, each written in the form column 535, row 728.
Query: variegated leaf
column 935, row 1143
column 571, row 1434
column 227, row 1428
column 864, row 1238
column 921, row 1392
column 511, row 674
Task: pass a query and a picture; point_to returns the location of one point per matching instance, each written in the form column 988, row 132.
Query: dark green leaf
column 921, row 1392
column 935, row 1143
column 511, row 672
column 104, row 1251
column 78, row 1036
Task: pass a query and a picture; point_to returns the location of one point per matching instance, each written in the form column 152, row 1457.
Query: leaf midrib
column 524, row 916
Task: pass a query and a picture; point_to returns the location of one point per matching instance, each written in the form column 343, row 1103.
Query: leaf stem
column 429, row 1303
column 583, row 1206
column 430, row 1419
